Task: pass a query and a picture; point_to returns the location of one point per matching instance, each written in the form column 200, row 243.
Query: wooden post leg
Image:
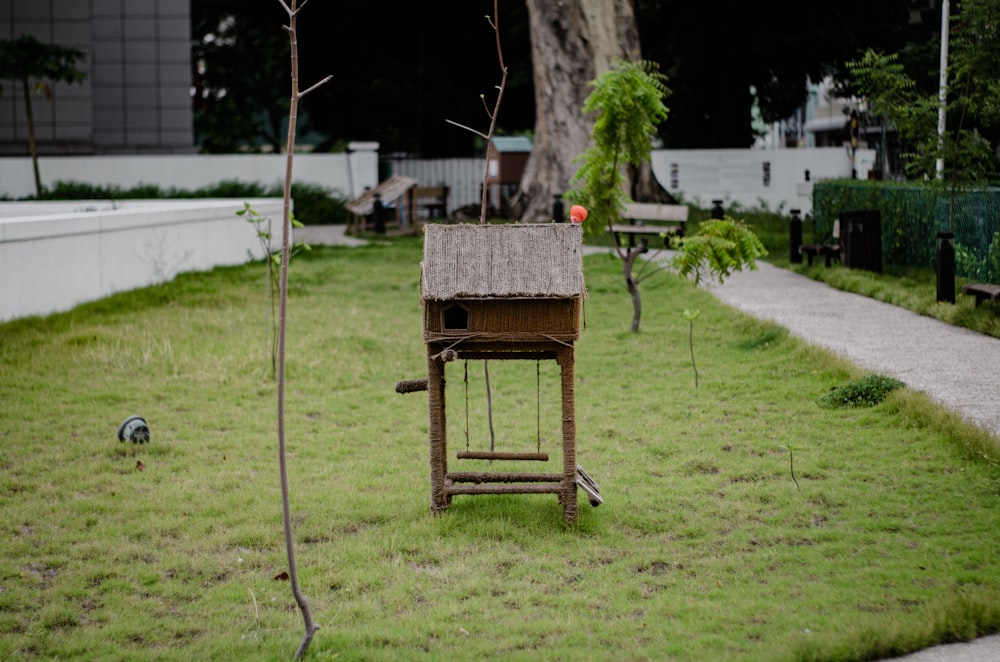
column 438, row 431
column 568, row 496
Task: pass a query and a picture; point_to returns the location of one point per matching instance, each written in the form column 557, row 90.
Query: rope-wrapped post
column 437, row 432
column 568, row 497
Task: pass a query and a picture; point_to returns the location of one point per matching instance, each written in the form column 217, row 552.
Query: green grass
column 704, row 548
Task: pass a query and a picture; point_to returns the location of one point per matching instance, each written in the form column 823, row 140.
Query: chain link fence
column 912, row 217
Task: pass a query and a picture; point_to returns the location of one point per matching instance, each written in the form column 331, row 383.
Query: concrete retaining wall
column 56, row 255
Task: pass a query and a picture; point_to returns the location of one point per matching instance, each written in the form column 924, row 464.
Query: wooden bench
column 982, row 292
column 638, row 213
column 829, row 252
column 390, row 195
column 426, row 202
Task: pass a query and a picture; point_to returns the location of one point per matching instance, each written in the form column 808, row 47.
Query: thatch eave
column 524, row 261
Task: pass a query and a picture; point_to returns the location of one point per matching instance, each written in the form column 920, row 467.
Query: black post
column 717, row 212
column 946, row 267
column 795, row 237
column 558, row 210
column 378, row 213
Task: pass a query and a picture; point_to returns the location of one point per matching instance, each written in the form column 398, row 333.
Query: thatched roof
column 509, row 261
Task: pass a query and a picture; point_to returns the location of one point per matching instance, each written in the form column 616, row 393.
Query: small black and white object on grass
column 134, row 429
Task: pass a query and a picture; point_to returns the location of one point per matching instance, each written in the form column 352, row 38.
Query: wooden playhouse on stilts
column 509, row 293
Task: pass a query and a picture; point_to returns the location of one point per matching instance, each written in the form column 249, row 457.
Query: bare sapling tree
column 310, row 626
column 494, row 22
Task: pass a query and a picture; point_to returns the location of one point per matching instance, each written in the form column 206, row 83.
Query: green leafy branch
column 721, row 247
column 272, row 259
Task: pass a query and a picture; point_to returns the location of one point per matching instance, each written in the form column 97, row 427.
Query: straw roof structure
column 502, row 261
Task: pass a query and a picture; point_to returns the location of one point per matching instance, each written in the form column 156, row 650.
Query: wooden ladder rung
column 496, row 455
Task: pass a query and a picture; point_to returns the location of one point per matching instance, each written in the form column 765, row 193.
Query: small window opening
column 456, row 318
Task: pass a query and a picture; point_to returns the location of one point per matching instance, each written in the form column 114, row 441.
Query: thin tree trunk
column 286, row 227
column 32, row 144
column 628, row 261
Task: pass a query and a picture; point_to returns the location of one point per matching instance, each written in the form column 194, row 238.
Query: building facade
column 136, row 98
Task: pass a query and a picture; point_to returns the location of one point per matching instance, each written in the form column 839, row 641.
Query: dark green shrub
column 867, row 391
column 69, row 190
column 227, row 188
column 313, row 204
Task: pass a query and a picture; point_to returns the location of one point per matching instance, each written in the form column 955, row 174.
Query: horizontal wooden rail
column 496, row 455
column 506, row 488
column 500, row 477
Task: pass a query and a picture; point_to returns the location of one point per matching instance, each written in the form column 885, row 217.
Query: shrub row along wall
column 912, row 217
column 347, row 174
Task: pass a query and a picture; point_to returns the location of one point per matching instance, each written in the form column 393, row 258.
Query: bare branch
column 322, row 82
column 468, row 128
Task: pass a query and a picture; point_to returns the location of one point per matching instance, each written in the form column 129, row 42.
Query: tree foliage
column 236, row 106
column 628, row 102
column 969, row 147
column 25, row 58
column 409, row 63
column 714, row 53
column 409, row 67
column 721, row 247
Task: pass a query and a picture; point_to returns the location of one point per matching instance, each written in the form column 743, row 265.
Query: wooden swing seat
column 497, row 455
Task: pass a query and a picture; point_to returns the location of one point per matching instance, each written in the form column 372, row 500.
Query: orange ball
column 577, row 214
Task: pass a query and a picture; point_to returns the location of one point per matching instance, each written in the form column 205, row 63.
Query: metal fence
column 464, row 177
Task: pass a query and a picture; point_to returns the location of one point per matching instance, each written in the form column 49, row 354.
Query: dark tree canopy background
column 400, row 69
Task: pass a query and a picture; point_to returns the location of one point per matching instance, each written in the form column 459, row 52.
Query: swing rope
column 538, row 406
column 466, row 404
column 489, row 403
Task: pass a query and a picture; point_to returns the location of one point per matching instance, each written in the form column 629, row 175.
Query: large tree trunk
column 572, row 42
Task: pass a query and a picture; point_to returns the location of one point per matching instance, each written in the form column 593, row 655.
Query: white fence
column 754, row 178
column 464, row 177
column 54, row 256
column 751, row 178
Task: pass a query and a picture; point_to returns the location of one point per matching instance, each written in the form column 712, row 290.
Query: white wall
column 54, row 256
column 347, row 173
column 737, row 175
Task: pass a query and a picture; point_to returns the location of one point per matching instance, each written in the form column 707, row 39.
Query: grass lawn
column 705, row 548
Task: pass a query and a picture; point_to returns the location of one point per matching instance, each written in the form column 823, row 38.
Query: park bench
column 982, row 292
column 427, row 202
column 650, row 219
column 829, row 251
column 386, row 200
